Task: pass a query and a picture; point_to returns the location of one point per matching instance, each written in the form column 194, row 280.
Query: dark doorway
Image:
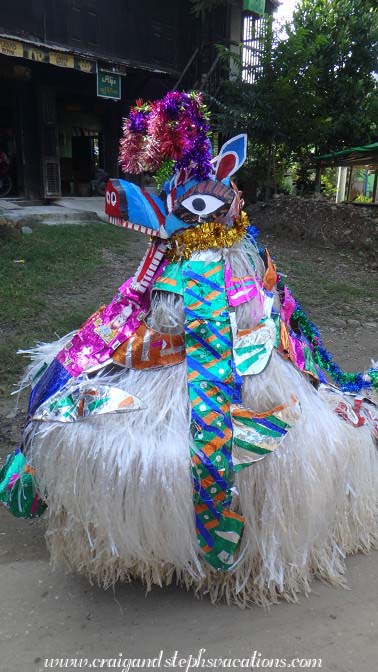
column 8, row 153
column 85, row 162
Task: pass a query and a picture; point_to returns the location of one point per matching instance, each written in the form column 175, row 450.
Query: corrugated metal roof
column 91, row 56
column 362, row 155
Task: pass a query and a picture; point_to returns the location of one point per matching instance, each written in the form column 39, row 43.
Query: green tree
column 317, row 88
column 326, row 67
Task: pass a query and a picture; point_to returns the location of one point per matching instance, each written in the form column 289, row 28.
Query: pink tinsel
column 174, row 128
column 132, row 150
column 169, row 138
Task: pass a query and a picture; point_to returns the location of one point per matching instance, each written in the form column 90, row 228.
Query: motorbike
column 99, row 184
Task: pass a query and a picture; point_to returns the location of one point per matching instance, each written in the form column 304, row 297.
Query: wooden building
column 357, row 178
column 257, row 15
column 69, row 69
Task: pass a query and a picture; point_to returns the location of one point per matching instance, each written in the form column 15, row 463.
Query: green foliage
column 361, row 198
column 316, row 91
column 202, row 7
column 329, row 183
column 303, row 177
column 326, row 69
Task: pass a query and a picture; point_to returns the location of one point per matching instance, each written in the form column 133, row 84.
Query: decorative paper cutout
column 231, row 157
column 81, row 400
column 148, row 349
column 18, row 491
column 292, row 346
column 256, row 435
column 356, row 410
column 253, row 348
column 270, row 277
column 108, row 328
column 239, row 290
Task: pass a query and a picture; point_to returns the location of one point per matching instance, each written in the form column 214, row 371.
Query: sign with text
column 108, row 85
column 255, row 6
column 11, row 48
column 41, row 54
column 61, row 59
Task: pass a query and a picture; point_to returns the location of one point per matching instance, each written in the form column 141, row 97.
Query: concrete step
column 5, row 204
column 49, row 215
column 19, row 202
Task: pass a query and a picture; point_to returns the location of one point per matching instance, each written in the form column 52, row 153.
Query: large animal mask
column 198, row 189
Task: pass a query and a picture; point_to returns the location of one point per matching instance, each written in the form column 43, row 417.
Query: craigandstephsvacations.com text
column 190, row 662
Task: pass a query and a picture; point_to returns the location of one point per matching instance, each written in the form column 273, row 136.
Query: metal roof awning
column 54, row 54
column 365, row 155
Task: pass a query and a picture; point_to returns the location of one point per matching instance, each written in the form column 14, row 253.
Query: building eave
column 363, row 155
column 90, row 55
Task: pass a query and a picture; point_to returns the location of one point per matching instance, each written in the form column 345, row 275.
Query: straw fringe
column 119, row 487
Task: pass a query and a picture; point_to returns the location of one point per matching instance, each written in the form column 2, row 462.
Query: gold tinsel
column 206, row 236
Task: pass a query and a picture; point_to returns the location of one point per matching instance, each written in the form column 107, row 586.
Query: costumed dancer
column 195, row 429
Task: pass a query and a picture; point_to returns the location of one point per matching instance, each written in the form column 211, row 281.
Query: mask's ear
column 231, row 157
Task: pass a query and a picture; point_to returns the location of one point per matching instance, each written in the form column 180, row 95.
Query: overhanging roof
column 363, row 156
column 88, row 55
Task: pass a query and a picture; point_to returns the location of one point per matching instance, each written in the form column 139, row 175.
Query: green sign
column 255, row 6
column 108, row 85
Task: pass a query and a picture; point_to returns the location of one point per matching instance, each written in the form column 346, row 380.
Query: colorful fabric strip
column 288, row 305
column 52, row 380
column 213, row 386
column 105, row 331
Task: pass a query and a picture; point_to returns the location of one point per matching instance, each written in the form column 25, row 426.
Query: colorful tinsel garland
column 348, row 382
column 206, row 236
column 354, row 383
column 167, row 135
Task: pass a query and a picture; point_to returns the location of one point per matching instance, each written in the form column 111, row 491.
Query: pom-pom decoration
column 174, row 129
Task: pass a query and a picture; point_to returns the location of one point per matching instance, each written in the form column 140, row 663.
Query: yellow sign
column 33, row 54
column 61, row 59
column 11, row 48
column 84, row 66
column 41, row 55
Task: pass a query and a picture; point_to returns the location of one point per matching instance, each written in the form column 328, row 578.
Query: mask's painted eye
column 202, row 204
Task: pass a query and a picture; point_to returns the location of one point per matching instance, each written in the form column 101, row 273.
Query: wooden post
column 349, row 184
column 374, row 200
column 318, row 179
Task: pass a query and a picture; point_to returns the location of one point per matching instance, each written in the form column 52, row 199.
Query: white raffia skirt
column 120, row 497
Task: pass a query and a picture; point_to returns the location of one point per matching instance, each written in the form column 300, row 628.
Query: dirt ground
column 50, row 614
